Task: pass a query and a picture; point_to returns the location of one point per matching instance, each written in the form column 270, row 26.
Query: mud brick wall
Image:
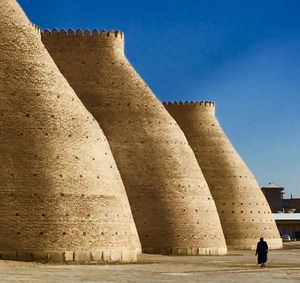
column 61, row 195
column 172, row 207
column 244, row 212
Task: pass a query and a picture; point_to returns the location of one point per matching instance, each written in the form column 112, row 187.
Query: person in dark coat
column 262, row 252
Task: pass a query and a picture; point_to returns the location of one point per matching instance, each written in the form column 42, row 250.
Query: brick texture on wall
column 244, row 212
column 61, row 195
column 172, row 207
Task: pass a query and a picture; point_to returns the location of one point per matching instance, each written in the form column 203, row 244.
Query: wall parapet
column 36, row 28
column 189, row 104
column 80, row 33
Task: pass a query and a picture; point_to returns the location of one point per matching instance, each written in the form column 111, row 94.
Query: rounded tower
column 171, row 204
column 244, row 212
column 61, row 195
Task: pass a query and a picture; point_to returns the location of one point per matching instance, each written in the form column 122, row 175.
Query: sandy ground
column 238, row 266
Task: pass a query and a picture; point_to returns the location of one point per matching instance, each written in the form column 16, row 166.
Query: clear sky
column 242, row 54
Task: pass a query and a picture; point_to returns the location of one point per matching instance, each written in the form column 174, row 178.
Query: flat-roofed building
column 274, row 195
column 288, row 224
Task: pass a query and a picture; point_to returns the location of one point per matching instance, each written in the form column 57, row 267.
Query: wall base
column 274, row 244
column 97, row 256
column 177, row 251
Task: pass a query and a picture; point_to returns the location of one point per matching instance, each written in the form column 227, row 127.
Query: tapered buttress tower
column 61, row 196
column 170, row 200
column 244, row 212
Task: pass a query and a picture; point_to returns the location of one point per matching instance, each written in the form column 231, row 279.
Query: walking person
column 262, row 252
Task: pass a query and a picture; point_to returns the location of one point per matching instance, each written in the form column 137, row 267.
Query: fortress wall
column 61, row 195
column 244, row 212
column 171, row 203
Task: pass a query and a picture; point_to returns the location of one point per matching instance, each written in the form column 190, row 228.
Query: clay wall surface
column 171, row 203
column 244, row 212
column 61, row 195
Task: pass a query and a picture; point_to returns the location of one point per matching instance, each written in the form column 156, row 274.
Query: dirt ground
column 238, row 266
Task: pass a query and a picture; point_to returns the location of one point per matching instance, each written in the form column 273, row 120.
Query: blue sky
column 243, row 54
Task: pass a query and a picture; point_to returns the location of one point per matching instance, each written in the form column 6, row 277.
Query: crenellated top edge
column 82, row 33
column 189, row 104
column 36, row 28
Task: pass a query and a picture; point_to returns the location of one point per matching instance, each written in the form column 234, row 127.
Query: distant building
column 275, row 196
column 285, row 211
column 291, row 204
column 288, row 224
